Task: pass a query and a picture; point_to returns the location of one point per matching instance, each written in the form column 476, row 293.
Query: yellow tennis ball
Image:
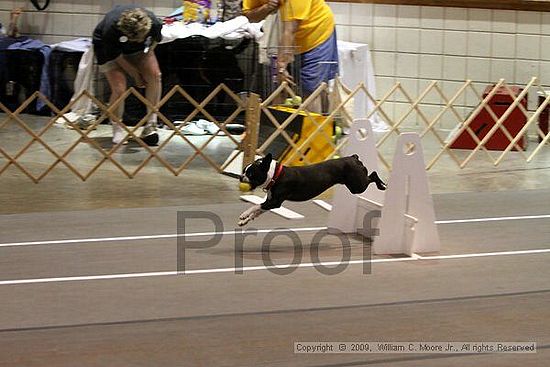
column 243, row 186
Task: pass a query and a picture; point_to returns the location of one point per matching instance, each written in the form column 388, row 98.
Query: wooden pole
column 250, row 142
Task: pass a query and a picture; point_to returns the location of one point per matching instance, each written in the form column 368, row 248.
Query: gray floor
column 99, row 257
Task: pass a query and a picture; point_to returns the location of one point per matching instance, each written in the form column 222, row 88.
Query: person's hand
column 15, row 13
column 272, row 5
column 284, row 76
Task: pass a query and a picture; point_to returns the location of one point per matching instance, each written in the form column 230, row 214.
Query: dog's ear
column 266, row 161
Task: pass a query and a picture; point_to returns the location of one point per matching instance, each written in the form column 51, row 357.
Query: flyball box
column 299, row 129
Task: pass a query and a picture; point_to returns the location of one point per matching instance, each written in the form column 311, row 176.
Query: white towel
column 82, row 82
column 235, row 28
column 269, row 42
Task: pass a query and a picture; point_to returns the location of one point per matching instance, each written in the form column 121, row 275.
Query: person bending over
column 124, row 42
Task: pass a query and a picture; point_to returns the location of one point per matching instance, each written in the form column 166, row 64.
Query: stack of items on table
column 206, row 11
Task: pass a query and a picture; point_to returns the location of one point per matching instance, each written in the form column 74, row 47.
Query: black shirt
column 109, row 42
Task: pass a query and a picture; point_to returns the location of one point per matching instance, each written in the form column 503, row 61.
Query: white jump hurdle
column 407, row 222
column 361, row 141
column 366, row 206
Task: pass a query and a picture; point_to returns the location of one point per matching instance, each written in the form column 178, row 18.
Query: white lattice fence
column 434, row 112
column 102, row 153
column 450, row 113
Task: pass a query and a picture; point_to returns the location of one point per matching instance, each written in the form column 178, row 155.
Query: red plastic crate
column 483, row 122
column 543, row 117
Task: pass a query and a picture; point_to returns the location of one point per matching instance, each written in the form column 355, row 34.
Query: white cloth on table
column 236, row 28
column 356, row 67
column 76, row 45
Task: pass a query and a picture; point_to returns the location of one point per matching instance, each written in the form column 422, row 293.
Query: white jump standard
column 407, row 224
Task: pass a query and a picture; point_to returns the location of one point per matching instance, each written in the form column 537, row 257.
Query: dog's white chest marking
column 256, row 210
column 270, row 174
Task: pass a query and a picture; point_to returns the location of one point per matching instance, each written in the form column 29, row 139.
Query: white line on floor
column 256, row 268
column 154, row 237
column 493, row 219
column 485, row 254
column 209, row 234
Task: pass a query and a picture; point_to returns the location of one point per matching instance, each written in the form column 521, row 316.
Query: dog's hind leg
column 357, row 179
column 373, row 177
column 356, row 187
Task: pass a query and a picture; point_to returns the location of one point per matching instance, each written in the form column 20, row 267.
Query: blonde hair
column 135, row 24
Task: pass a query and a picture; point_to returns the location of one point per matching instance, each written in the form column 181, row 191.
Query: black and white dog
column 303, row 183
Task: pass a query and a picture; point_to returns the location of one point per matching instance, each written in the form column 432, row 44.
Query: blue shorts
column 319, row 65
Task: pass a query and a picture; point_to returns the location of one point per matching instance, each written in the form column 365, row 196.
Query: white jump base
column 402, row 219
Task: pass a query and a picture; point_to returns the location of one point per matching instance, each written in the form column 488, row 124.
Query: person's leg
column 150, row 72
column 317, row 66
column 116, row 78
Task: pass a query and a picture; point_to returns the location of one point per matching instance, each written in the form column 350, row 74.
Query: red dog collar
column 278, row 172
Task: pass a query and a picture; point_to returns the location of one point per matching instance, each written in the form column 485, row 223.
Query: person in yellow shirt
column 308, row 31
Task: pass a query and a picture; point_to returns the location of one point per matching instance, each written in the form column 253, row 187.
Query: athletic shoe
column 76, row 121
column 235, row 129
column 149, row 134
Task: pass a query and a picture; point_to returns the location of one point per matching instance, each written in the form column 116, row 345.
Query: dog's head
column 257, row 173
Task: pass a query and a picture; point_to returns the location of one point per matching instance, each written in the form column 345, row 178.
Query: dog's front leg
column 257, row 210
column 250, row 214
